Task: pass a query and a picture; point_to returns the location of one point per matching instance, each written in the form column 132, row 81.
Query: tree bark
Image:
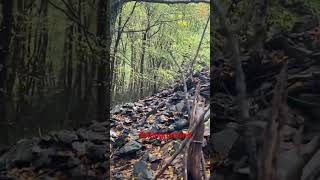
column 5, row 38
column 104, row 42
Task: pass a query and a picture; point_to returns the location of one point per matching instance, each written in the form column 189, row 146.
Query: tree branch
column 198, row 49
column 203, row 117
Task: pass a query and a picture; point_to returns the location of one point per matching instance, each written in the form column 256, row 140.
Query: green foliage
column 281, row 17
column 174, row 28
column 314, row 5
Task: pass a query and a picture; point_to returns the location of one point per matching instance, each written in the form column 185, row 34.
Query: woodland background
column 54, row 58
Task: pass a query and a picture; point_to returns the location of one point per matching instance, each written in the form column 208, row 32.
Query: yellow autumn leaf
column 170, row 171
column 182, row 23
column 204, row 10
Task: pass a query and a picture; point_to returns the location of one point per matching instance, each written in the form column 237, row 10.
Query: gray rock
column 19, row 155
column 60, row 159
column 145, row 156
column 96, row 152
column 170, row 128
column 180, row 106
column 154, row 158
column 43, row 159
column 312, row 167
column 93, row 136
column 162, row 119
column 98, row 127
column 141, row 171
column 289, row 165
column 181, row 124
column 298, row 53
column 224, row 140
column 79, row 147
column 116, row 109
column 66, row 137
column 129, row 148
column 128, row 105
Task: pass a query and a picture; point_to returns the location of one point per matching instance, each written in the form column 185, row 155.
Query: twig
column 185, row 175
column 198, row 49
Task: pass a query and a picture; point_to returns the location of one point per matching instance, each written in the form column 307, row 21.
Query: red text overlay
column 162, row 136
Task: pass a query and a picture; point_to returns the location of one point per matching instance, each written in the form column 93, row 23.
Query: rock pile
column 301, row 50
column 81, row 153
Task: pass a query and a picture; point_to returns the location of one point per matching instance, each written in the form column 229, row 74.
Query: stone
column 224, row 140
column 96, row 152
column 116, row 110
column 312, row 166
column 128, row 105
column 170, row 128
column 180, row 106
column 92, row 136
column 298, row 53
column 141, row 170
column 130, row 147
column 153, row 158
column 79, row 147
column 19, row 155
column 98, row 127
column 66, row 137
column 289, row 165
column 181, row 124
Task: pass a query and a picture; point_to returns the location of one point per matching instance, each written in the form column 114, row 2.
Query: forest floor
column 162, row 113
column 81, row 153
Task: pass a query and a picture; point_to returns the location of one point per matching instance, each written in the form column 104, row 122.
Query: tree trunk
column 104, row 42
column 5, row 37
column 144, row 40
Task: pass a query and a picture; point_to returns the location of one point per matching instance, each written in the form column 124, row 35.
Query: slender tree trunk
column 132, row 65
column 5, row 38
column 69, row 72
column 115, row 51
column 44, row 45
column 18, row 63
column 144, row 40
column 104, row 41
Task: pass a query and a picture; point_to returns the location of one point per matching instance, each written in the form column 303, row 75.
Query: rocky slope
column 81, row 153
column 299, row 137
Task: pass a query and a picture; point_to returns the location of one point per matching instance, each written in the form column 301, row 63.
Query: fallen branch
column 270, row 151
column 195, row 147
column 203, row 117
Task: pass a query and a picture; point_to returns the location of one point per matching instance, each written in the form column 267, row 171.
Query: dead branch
column 186, row 156
column 198, row 49
column 267, row 169
column 195, row 148
column 185, row 175
column 203, row 117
